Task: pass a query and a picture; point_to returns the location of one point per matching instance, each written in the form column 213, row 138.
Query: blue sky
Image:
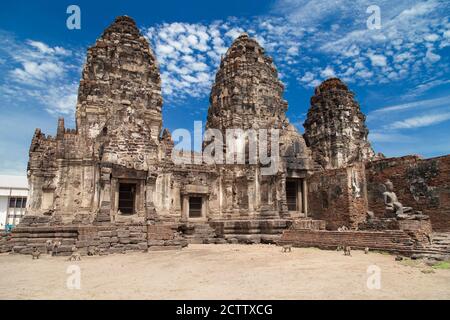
column 399, row 73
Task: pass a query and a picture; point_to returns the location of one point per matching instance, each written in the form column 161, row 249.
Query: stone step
column 253, row 238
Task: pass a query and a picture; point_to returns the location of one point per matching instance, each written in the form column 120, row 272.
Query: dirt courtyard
column 222, row 272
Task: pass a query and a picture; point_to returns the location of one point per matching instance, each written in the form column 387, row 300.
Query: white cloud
column 377, row 60
column 431, row 37
column 32, row 73
column 388, row 137
column 328, row 72
column 432, row 57
column 297, row 37
column 39, row 74
column 421, row 104
column 420, row 121
column 44, row 48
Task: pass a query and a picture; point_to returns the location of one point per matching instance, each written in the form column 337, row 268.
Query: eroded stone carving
column 335, row 128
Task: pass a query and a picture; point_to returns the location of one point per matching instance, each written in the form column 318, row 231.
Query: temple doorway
column 294, row 195
column 127, row 196
column 195, row 207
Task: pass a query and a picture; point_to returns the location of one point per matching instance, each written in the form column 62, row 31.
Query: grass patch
column 411, row 263
column 445, row 265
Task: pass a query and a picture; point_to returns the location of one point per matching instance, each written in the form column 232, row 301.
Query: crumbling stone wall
column 338, row 196
column 95, row 239
column 423, row 184
column 4, row 239
column 393, row 240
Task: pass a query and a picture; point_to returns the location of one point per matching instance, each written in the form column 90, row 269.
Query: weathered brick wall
column 163, row 236
column 102, row 239
column 397, row 241
column 419, row 230
column 421, row 184
column 338, row 196
column 4, row 237
column 117, row 238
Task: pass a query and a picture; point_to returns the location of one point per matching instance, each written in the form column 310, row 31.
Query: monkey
column 75, row 254
column 366, row 250
column 398, row 258
column 36, row 253
column 347, row 251
column 92, row 251
column 340, row 248
column 75, row 257
column 286, row 248
column 48, row 247
column 55, row 247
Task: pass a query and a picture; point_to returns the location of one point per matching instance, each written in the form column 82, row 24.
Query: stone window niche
column 195, row 207
column 295, row 195
column 47, row 199
column 127, row 198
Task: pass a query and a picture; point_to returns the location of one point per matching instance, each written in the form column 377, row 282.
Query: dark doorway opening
column 195, row 207
column 127, row 194
column 291, row 195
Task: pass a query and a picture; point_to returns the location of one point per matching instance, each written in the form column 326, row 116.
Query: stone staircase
column 251, row 230
column 439, row 249
column 24, row 239
column 199, row 233
column 34, row 231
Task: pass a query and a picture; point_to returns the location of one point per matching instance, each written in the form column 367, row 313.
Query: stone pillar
column 140, row 198
column 204, row 207
column 257, row 190
column 305, row 198
column 300, row 195
column 185, row 209
column 114, row 196
column 251, row 195
column 105, row 194
column 283, row 202
column 150, row 210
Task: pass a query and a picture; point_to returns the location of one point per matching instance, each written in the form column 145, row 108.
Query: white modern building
column 13, row 200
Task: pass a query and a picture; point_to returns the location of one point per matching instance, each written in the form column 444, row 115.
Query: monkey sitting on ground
column 286, row 248
column 75, row 255
column 339, row 248
column 36, row 253
column 366, row 250
column 48, row 247
column 55, row 247
column 92, row 251
column 347, row 251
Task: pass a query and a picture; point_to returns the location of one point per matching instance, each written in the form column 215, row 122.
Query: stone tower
column 335, row 128
column 247, row 92
column 120, row 76
column 248, row 95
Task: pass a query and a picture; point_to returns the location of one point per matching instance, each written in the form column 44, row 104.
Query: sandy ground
column 222, row 272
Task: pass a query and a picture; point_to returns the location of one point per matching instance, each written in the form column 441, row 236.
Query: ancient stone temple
column 115, row 182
